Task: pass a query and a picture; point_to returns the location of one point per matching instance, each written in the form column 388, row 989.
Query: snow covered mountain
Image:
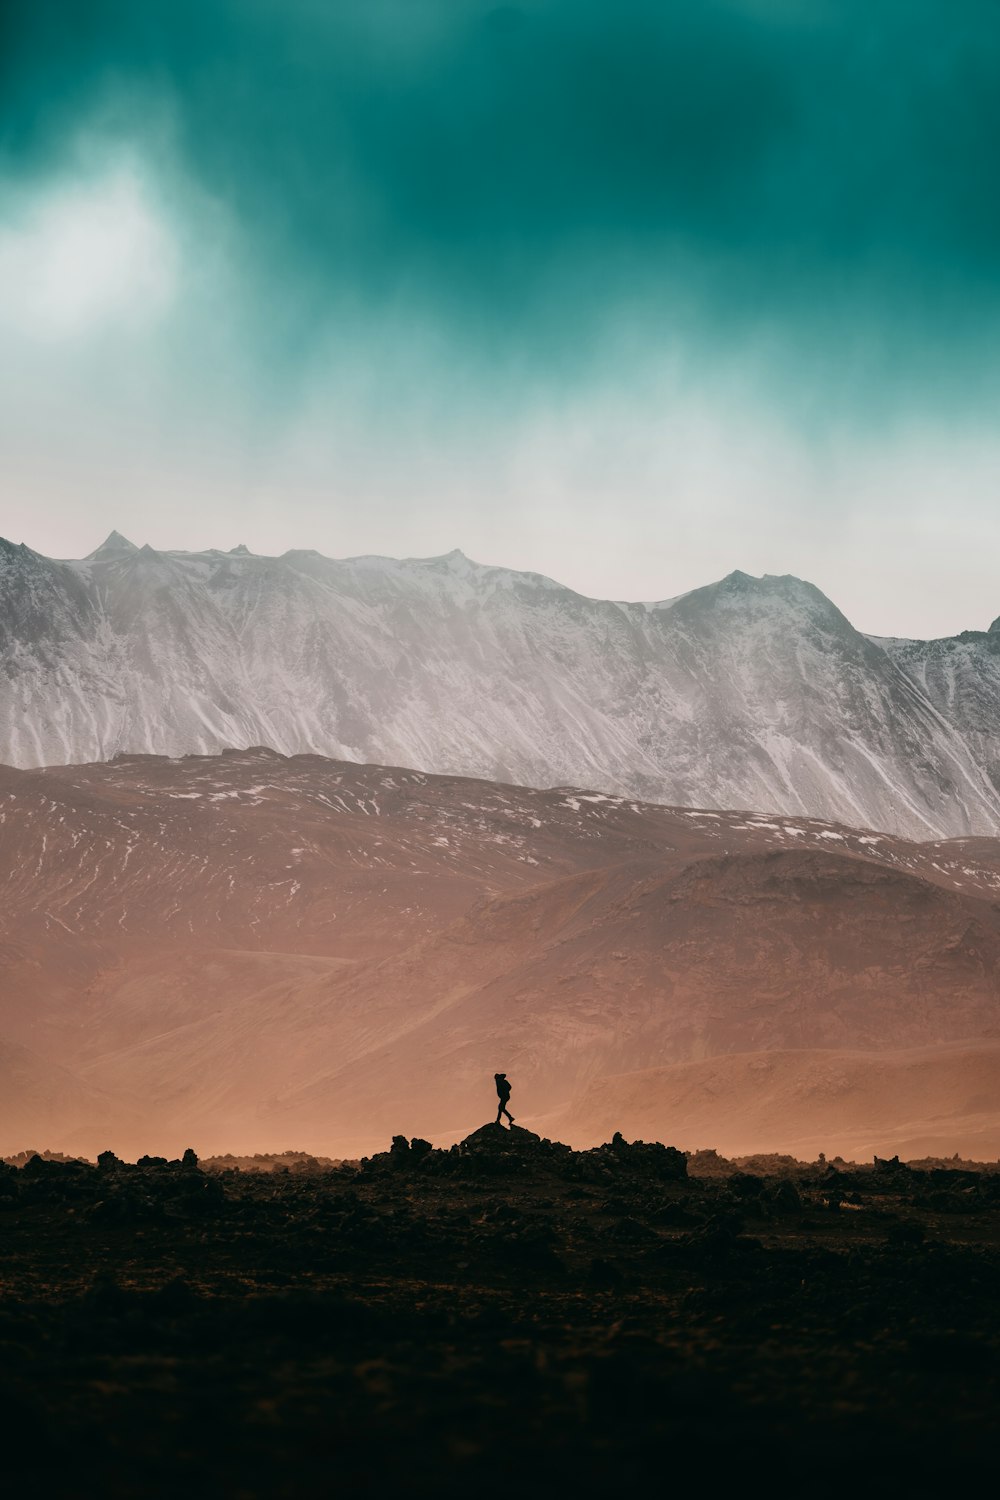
column 960, row 675
column 751, row 692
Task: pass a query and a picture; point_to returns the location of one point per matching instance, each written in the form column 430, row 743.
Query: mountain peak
column 765, row 582
column 456, row 558
column 784, row 586
column 16, row 551
column 114, row 545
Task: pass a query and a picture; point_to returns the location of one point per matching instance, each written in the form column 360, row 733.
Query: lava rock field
column 506, row 1316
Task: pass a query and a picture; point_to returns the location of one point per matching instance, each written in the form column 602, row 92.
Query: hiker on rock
column 503, row 1094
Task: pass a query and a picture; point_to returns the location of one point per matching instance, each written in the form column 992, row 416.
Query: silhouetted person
column 503, row 1094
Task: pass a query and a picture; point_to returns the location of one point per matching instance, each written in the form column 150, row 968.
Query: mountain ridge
column 746, row 692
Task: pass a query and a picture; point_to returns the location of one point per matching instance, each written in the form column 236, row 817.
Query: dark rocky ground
column 508, row 1315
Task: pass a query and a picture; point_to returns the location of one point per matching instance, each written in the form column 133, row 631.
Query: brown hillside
column 256, row 952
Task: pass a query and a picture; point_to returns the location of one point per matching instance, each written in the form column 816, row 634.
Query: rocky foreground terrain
column 507, row 1316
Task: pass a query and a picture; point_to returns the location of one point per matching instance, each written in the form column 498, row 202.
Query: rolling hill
column 252, row 951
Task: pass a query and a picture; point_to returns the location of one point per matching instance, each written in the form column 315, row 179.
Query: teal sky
column 631, row 293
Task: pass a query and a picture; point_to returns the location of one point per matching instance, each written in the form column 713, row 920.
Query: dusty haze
column 253, row 952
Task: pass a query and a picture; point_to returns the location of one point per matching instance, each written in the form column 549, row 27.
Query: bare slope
column 255, row 951
column 750, row 692
column 915, row 1102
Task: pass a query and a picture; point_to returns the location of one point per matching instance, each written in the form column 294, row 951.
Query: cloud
column 631, row 293
column 82, row 257
column 811, row 183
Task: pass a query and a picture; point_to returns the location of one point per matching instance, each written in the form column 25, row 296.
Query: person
column 503, row 1094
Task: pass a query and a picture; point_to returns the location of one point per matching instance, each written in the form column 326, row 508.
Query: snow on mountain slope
column 960, row 675
column 747, row 693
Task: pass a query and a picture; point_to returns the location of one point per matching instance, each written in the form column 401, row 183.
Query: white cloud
column 83, row 258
